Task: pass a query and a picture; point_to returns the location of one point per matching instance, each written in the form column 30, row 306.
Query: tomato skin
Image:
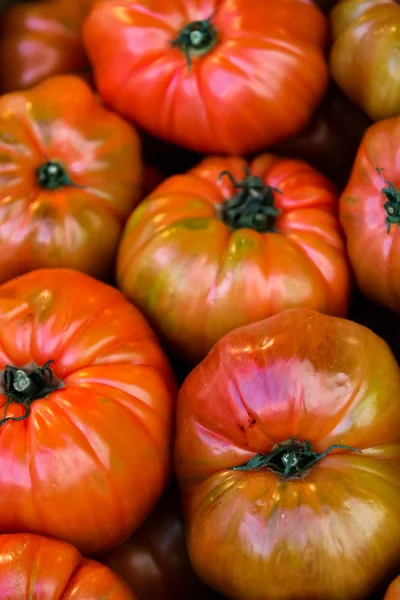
column 42, row 568
column 177, row 259
column 154, row 561
column 76, row 226
column 393, row 592
column 373, row 251
column 93, row 457
column 364, row 58
column 40, row 39
column 268, row 58
column 336, row 531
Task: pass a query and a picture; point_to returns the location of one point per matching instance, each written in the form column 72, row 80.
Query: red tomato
column 228, row 76
column 204, row 254
column 40, row 39
column 39, row 568
column 370, row 214
column 87, row 398
column 70, row 174
column 393, row 592
column 155, row 562
column 288, row 457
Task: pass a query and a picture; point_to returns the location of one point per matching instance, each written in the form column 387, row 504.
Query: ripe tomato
column 154, row 561
column 40, row 39
column 70, row 174
column 288, row 457
column 365, row 59
column 393, row 592
column 84, row 440
column 330, row 140
column 214, row 76
column 370, row 214
column 38, row 568
column 204, row 254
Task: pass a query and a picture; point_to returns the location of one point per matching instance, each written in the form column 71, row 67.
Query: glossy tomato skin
column 393, row 592
column 373, row 250
column 36, row 567
column 40, row 39
column 364, row 58
column 258, row 84
column 93, row 457
column 177, row 259
column 334, row 532
column 76, row 225
column 154, row 561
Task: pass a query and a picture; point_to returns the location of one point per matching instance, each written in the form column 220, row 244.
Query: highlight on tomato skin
column 33, row 566
column 234, row 241
column 287, row 454
column 86, row 406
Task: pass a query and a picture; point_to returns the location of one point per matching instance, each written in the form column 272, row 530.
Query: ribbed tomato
column 227, row 76
column 370, row 214
column 33, row 567
column 288, row 458
column 365, row 59
column 86, row 402
column 70, row 174
column 229, row 243
column 40, row 39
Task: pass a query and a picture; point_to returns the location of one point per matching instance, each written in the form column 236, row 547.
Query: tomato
column 86, row 406
column 209, row 251
column 70, row 174
column 393, row 592
column 330, row 141
column 227, row 76
column 154, row 561
column 365, row 60
column 40, row 39
column 34, row 567
column 370, row 214
column 288, row 459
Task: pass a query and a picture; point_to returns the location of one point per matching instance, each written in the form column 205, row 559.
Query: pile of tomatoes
column 199, row 300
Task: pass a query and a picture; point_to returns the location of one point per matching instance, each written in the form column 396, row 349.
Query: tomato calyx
column 52, row 175
column 196, row 39
column 252, row 207
column 392, row 204
column 289, row 459
column 24, row 386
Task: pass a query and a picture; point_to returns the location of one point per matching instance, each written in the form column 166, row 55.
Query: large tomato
column 86, row 411
column 393, row 592
column 288, row 458
column 370, row 214
column 227, row 76
column 38, row 568
column 208, row 251
column 365, row 59
column 40, row 39
column 70, row 174
column 154, row 561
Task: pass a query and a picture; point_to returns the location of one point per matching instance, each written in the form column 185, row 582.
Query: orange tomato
column 393, row 592
column 86, row 411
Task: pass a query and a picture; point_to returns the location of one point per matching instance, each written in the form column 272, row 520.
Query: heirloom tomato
column 229, row 243
column 393, row 592
column 288, row 458
column 370, row 214
column 40, row 39
column 70, row 174
column 365, row 59
column 227, row 76
column 86, row 411
column 154, row 561
column 33, row 567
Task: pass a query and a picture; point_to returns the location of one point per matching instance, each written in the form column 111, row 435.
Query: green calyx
column 252, row 207
column 392, row 204
column 196, row 39
column 52, row 175
column 289, row 459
